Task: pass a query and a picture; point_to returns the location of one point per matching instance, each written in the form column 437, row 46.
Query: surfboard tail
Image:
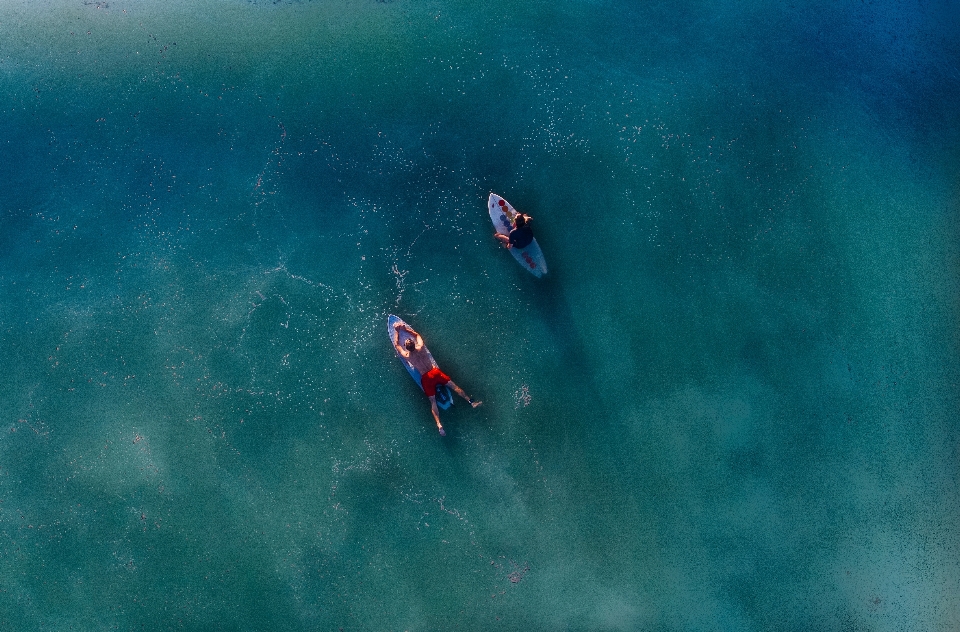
column 444, row 396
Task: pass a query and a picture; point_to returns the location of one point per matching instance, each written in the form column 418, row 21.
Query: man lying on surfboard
column 431, row 376
column 521, row 235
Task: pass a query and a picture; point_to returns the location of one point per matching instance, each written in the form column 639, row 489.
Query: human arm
column 396, row 341
column 417, row 340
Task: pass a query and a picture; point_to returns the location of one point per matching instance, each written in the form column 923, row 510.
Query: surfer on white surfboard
column 414, row 351
column 515, row 233
column 521, row 235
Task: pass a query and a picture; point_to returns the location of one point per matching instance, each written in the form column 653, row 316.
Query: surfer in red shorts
column 431, row 376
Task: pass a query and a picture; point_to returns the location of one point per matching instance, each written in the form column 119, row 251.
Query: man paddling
column 414, row 351
column 522, row 234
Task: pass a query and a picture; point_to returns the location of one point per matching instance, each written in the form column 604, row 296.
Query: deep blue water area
column 730, row 405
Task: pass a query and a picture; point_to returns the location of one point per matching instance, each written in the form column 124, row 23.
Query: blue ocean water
column 731, row 405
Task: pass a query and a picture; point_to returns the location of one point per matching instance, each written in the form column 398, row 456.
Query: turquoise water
column 731, row 405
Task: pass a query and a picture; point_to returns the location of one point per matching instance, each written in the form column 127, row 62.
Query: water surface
column 730, row 405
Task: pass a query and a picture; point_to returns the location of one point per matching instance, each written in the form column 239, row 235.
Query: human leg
column 459, row 391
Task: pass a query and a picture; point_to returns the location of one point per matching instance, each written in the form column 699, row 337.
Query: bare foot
column 474, row 403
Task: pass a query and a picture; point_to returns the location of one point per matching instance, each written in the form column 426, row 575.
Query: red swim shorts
column 432, row 379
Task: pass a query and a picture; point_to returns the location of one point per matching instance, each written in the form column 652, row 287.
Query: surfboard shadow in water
column 554, row 310
column 580, row 431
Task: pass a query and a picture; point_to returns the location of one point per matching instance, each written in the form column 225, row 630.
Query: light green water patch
column 730, row 390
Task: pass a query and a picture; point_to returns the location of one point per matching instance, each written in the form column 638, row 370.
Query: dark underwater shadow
column 574, row 363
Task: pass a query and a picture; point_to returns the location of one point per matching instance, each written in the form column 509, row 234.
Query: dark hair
column 520, row 219
column 410, row 343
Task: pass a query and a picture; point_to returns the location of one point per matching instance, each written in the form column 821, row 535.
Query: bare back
column 418, row 357
column 421, row 359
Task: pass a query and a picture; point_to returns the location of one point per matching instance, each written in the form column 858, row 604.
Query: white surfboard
column 444, row 397
column 502, row 214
